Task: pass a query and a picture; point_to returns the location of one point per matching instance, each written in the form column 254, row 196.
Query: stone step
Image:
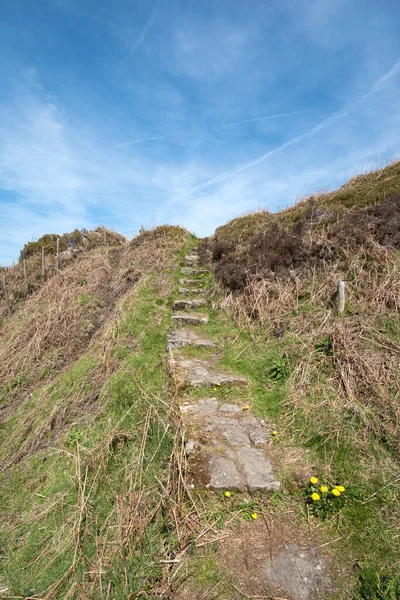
column 192, row 318
column 191, row 271
column 188, row 281
column 186, row 337
column 192, row 260
column 196, row 373
column 180, row 303
column 183, row 291
column 226, row 448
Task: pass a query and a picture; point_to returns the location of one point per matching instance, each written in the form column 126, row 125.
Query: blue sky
column 190, row 112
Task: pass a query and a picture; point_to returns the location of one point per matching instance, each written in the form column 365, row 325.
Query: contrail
column 269, row 117
column 149, row 139
column 376, row 87
column 143, row 33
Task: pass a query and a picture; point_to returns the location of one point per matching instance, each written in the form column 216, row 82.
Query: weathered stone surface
column 191, row 271
column 188, row 281
column 186, row 337
column 224, row 474
column 183, row 291
column 257, row 470
column 192, row 318
column 257, row 436
column 203, row 408
column 235, row 435
column 197, row 372
column 302, row 574
column 230, row 409
column 185, row 303
column 192, row 259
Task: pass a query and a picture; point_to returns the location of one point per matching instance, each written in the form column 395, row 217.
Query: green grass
column 84, row 504
column 334, row 442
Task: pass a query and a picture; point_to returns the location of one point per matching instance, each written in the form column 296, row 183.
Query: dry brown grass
column 55, row 324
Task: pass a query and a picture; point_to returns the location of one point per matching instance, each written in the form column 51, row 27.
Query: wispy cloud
column 270, row 117
column 143, row 140
column 143, row 33
column 333, row 118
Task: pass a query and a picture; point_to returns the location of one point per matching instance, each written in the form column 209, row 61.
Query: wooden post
column 43, row 265
column 341, row 296
column 5, row 293
column 25, row 274
column 58, row 254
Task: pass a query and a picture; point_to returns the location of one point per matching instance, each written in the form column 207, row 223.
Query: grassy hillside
column 93, row 494
column 85, row 434
column 330, row 381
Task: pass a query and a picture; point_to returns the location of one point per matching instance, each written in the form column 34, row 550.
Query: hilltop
column 166, row 401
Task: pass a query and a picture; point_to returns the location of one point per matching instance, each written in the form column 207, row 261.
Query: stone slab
column 257, row 470
column 183, row 290
column 191, row 318
column 179, row 338
column 204, row 408
column 231, row 409
column 196, row 373
column 300, row 573
column 191, row 271
column 224, row 474
column 181, row 303
column 188, row 281
column 192, row 259
column 257, row 436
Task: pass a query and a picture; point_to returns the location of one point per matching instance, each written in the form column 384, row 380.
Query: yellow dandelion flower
column 227, row 494
column 324, row 489
column 340, row 488
column 313, row 480
column 215, row 389
column 274, row 433
column 336, row 492
column 246, row 407
column 218, row 384
column 315, row 497
column 254, row 515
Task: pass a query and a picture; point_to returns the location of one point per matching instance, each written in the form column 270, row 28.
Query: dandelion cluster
column 324, row 500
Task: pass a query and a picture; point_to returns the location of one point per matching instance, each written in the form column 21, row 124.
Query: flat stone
column 183, row 291
column 192, row 259
column 204, row 408
column 188, row 281
column 197, row 372
column 257, row 470
column 191, row 271
column 193, row 318
column 230, row 409
column 257, row 436
column 236, row 435
column 184, row 303
column 224, row 474
column 302, row 574
column 186, row 337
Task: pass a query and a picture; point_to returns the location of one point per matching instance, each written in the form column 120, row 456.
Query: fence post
column 43, row 264
column 5, row 293
column 25, row 274
column 341, row 296
column 58, row 254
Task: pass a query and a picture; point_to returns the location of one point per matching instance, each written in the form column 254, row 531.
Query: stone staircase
column 227, row 448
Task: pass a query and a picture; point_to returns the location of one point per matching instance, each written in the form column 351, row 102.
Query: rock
column 235, row 435
column 191, row 447
column 186, row 337
column 230, row 409
column 188, row 281
column 224, row 474
column 191, row 271
column 257, row 470
column 257, row 436
column 183, row 290
column 195, row 372
column 184, row 303
column 203, row 408
column 192, row 259
column 300, row 573
column 193, row 318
